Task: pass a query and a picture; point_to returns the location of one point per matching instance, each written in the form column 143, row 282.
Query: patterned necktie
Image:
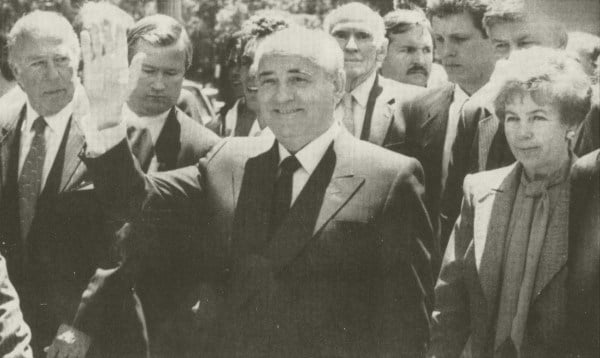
column 30, row 180
column 282, row 197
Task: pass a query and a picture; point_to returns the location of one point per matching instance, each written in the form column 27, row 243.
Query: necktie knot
column 536, row 188
column 289, row 165
column 39, row 125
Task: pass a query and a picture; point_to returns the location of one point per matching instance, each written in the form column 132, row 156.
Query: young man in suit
column 368, row 108
column 432, row 118
column 53, row 233
column 313, row 243
column 163, row 137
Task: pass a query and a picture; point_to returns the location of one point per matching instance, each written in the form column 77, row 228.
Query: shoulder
column 586, row 166
column 235, row 151
column 9, row 115
column 401, row 91
column 481, row 183
column 193, row 132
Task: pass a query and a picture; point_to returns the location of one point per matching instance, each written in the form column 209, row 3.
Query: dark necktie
column 30, row 180
column 283, row 192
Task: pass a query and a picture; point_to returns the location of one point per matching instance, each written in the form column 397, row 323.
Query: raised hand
column 107, row 78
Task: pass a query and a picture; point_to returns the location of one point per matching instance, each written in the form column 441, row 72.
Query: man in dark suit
column 368, row 108
column 163, row 138
column 53, row 232
column 432, row 118
column 314, row 244
column 583, row 322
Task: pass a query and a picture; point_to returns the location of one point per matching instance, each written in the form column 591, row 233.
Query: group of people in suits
column 345, row 214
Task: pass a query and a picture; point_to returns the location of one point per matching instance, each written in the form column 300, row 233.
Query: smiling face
column 508, row 37
column 361, row 52
column 409, row 56
column 466, row 55
column 536, row 135
column 160, row 81
column 45, row 67
column 296, row 98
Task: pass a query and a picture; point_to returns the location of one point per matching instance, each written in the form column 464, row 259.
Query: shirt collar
column 361, row 92
column 459, row 96
column 310, row 156
column 56, row 122
column 154, row 124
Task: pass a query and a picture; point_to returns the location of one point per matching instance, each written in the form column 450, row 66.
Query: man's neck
column 352, row 83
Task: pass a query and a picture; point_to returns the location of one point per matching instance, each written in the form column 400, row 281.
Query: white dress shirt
column 154, row 124
column 360, row 96
column 454, row 112
column 53, row 135
column 309, row 157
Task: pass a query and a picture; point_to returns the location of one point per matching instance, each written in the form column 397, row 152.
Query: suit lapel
column 436, row 121
column 372, row 103
column 487, row 129
column 141, row 145
column 72, row 162
column 490, row 227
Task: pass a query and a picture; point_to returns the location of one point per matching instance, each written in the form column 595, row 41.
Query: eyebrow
column 537, row 111
column 292, row 71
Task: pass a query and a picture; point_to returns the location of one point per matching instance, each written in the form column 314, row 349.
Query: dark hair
column 4, row 65
column 549, row 76
column 475, row 8
column 161, row 31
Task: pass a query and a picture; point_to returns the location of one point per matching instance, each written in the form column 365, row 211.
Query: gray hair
column 39, row 24
column 359, row 12
column 314, row 45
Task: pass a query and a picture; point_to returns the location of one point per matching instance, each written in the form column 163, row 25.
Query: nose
column 351, row 44
column 158, row 84
column 524, row 130
column 447, row 50
column 284, row 93
column 52, row 70
column 419, row 57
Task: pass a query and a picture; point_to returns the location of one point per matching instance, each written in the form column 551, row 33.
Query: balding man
column 368, row 108
column 314, row 242
column 53, row 232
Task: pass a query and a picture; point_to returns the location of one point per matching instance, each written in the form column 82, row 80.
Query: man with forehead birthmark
column 368, row 107
column 313, row 242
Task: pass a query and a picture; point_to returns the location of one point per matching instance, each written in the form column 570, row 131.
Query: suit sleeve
column 450, row 319
column 14, row 332
column 147, row 202
column 407, row 285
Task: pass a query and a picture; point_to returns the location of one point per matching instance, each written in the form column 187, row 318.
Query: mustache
column 417, row 68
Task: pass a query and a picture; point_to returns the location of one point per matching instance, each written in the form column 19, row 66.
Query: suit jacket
column 583, row 333
column 353, row 287
column 468, row 286
column 426, row 120
column 163, row 290
column 14, row 333
column 383, row 124
column 69, row 236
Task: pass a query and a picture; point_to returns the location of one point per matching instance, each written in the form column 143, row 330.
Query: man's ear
column 15, row 70
column 339, row 85
column 382, row 50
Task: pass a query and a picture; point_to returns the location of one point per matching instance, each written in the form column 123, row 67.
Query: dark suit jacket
column 469, row 283
column 69, row 236
column 583, row 333
column 354, row 287
column 14, row 333
column 426, row 120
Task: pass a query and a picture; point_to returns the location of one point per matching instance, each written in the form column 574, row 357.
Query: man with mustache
column 432, row 117
column 368, row 107
column 410, row 50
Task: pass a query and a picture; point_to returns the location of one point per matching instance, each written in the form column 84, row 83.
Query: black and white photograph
column 299, row 178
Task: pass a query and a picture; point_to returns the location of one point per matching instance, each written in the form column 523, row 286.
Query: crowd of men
column 354, row 198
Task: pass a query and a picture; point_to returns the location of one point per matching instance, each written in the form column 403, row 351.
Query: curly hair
column 549, row 76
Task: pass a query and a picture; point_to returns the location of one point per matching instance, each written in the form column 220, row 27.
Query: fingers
column 86, row 47
column 135, row 70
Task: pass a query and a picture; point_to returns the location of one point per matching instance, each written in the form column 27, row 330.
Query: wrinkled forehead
column 37, row 44
column 354, row 25
column 287, row 61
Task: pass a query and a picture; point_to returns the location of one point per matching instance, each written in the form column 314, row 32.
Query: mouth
column 452, row 66
column 417, row 72
column 287, row 111
column 252, row 89
column 528, row 150
column 54, row 92
column 352, row 60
